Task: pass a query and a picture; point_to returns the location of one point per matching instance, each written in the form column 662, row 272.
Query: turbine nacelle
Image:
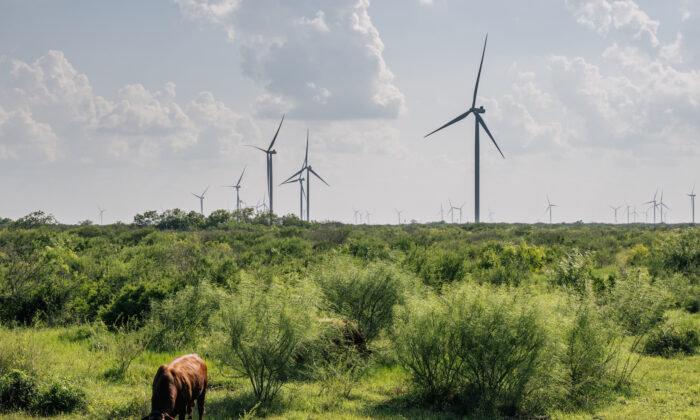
column 479, row 110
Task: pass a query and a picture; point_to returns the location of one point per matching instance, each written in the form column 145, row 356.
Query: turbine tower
column 661, row 207
column 615, row 209
column 478, row 121
column 398, row 214
column 692, row 204
column 549, row 209
column 356, row 213
column 654, row 203
column 309, row 171
column 452, row 211
column 367, row 215
column 237, row 187
column 442, row 213
column 268, row 154
column 201, row 200
column 102, row 211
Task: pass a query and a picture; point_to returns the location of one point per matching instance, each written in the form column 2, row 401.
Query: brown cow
column 176, row 387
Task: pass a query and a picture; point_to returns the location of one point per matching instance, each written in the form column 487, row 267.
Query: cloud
column 316, row 59
column 22, row 137
column 624, row 15
column 48, row 111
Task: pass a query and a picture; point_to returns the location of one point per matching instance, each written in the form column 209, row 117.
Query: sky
column 134, row 105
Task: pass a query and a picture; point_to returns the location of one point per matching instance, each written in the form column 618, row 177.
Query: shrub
column 476, row 345
column 179, row 321
column 17, row 391
column 436, row 266
column 262, row 330
column 574, row 270
column 368, row 248
column 589, row 352
column 132, row 305
column 365, row 295
column 510, row 264
column 635, row 303
column 681, row 253
column 676, row 335
column 58, row 397
column 128, row 344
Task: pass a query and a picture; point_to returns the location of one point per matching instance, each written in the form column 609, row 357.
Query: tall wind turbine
column 615, row 209
column 478, row 121
column 692, row 204
column 442, row 213
column 460, row 212
column 237, row 187
column 309, row 171
column 549, row 209
column 398, row 214
column 102, row 211
column 452, row 210
column 654, row 203
column 628, row 212
column 268, row 154
column 201, row 200
column 357, row 213
column 491, row 216
column 302, row 194
column 367, row 215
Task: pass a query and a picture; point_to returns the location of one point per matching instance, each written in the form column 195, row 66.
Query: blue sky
column 133, row 105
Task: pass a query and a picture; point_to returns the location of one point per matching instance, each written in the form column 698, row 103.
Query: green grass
column 662, row 388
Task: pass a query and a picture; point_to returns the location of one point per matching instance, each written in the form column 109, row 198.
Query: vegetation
column 324, row 320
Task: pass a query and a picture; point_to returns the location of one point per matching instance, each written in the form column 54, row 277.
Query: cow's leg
column 200, row 402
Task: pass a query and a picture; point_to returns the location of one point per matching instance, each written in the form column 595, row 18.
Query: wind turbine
column 549, row 209
column 654, row 204
column 237, row 187
column 442, row 213
column 367, row 215
column 478, row 121
column 628, row 212
column 460, row 212
column 309, row 171
column 398, row 214
column 201, row 200
column 661, row 207
column 357, row 213
column 615, row 209
column 302, row 194
column 452, row 210
column 491, row 216
column 692, row 204
column 101, row 213
column 268, row 154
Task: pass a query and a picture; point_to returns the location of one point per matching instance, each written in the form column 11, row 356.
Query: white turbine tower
column 201, row 200
column 549, row 209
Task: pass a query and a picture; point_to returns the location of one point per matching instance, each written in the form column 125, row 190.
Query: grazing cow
column 177, row 386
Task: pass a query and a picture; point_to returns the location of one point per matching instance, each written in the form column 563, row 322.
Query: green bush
column 574, row 270
column 365, row 295
column 681, row 253
column 132, row 305
column 509, row 264
column 635, row 303
column 263, row 328
column 17, row 391
column 589, row 354
column 435, row 266
column 178, row 322
column 479, row 346
column 676, row 335
column 58, row 397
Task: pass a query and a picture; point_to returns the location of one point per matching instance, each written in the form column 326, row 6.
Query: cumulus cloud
column 319, row 59
column 48, row 109
column 604, row 15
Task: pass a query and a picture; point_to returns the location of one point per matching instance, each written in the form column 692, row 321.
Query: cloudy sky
column 133, row 105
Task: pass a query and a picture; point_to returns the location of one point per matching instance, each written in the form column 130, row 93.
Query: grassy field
column 88, row 314
column 664, row 388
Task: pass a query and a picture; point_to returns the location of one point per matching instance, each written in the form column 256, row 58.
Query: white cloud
column 49, row 109
column 602, row 15
column 286, row 47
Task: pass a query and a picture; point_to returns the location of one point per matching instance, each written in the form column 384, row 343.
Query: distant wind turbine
column 549, row 209
column 201, row 200
column 478, row 121
column 398, row 214
column 491, row 216
column 309, row 171
column 367, row 215
column 692, row 204
column 268, row 154
column 102, row 211
column 460, row 212
column 615, row 209
column 237, row 187
column 442, row 213
column 654, row 203
column 452, row 211
column 661, row 207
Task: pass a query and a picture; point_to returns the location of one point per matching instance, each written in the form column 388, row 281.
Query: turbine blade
column 205, row 191
column 276, row 133
column 317, row 175
column 297, row 173
column 241, row 177
column 478, row 76
column 306, row 156
column 256, row 147
column 483, row 124
column 460, row 118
